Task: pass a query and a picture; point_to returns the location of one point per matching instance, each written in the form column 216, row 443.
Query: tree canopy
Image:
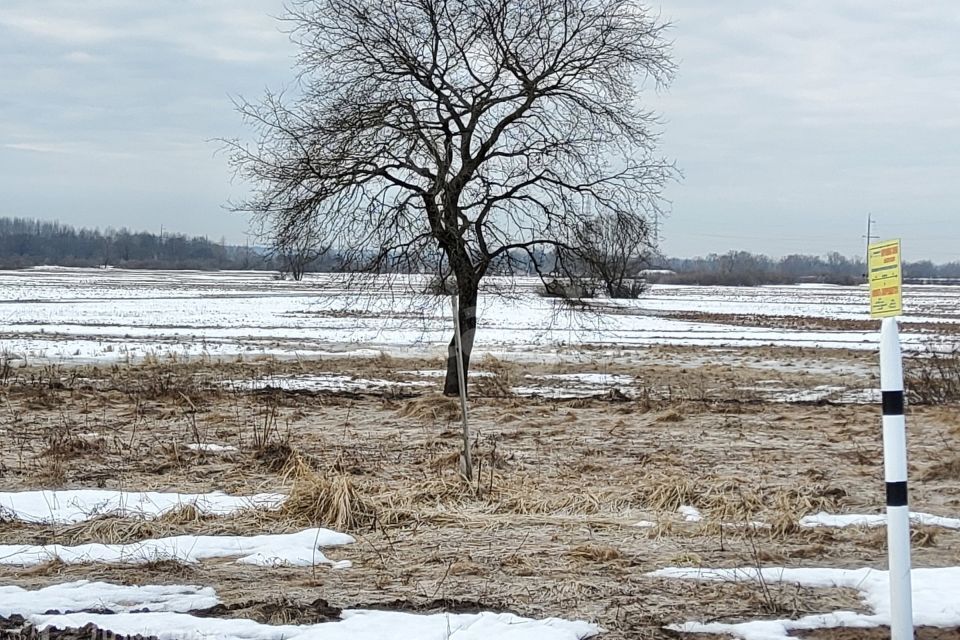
column 452, row 135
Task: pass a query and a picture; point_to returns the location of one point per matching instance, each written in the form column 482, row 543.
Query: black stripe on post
column 897, row 494
column 892, row 403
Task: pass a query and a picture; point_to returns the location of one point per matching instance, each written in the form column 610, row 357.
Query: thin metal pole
column 461, row 376
column 895, row 474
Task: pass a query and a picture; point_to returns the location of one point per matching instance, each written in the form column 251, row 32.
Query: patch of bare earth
column 548, row 526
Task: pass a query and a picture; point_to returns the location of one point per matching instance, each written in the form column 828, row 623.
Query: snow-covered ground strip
column 271, row 550
column 211, row 447
column 83, row 594
column 324, row 382
column 83, row 315
column 575, row 385
column 440, row 373
column 160, row 611
column 924, row 303
column 841, row 520
column 594, row 379
column 690, row 514
column 69, row 506
column 557, row 393
column 354, row 625
column 935, row 601
column 819, row 393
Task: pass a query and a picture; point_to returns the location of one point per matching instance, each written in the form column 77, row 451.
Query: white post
column 895, row 473
column 462, row 378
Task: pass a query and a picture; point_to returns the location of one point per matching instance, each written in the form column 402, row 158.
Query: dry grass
column 546, row 529
column 667, row 491
column 921, row 536
column 596, row 553
column 670, row 415
column 728, row 502
column 329, row 499
column 431, row 407
column 948, row 469
column 501, row 383
column 112, row 530
column 522, row 499
column 186, row 514
column 53, row 567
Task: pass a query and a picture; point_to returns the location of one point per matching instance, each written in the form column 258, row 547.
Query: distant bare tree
column 296, row 249
column 452, row 135
column 612, row 250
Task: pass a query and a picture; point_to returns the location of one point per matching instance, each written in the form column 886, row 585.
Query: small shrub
column 934, row 378
column 627, row 289
column 569, row 289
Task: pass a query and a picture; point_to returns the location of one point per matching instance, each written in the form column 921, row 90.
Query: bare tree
column 452, row 135
column 296, row 249
column 612, row 250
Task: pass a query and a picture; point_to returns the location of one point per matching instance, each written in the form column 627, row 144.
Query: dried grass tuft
column 670, row 415
column 920, row 536
column 431, row 407
column 943, row 470
column 596, row 553
column 659, row 491
column 187, row 514
column 331, row 500
column 728, row 501
column 114, row 530
column 49, row 568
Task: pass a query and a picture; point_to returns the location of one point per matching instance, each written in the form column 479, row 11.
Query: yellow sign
column 883, row 267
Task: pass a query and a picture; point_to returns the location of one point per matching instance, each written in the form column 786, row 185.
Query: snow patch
column 935, row 601
column 690, row 514
column 441, row 373
column 83, row 594
column 289, row 549
column 575, row 385
column 71, row 506
column 322, row 382
column 840, row 520
column 595, row 379
column 211, row 447
column 354, row 625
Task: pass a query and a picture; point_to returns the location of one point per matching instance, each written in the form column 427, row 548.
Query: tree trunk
column 468, row 328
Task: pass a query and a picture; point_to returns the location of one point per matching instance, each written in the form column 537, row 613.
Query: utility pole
column 870, row 237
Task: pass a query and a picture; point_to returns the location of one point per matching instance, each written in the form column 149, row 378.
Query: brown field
column 546, row 529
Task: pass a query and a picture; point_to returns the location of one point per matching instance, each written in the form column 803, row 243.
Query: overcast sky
column 791, row 121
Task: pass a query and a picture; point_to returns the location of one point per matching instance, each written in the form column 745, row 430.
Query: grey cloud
column 790, row 120
column 793, row 120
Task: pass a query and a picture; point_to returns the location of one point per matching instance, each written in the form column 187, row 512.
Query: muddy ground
column 547, row 526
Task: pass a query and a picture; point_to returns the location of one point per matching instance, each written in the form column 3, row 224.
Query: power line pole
column 870, row 237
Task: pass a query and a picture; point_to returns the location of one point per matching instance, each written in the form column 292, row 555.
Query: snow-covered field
column 83, row 315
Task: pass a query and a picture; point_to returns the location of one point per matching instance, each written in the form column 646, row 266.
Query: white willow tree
column 456, row 135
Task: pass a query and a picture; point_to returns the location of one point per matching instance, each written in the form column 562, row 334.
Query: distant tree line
column 29, row 243
column 741, row 268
